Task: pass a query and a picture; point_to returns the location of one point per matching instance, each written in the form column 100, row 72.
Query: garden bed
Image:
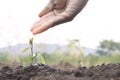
column 45, row 72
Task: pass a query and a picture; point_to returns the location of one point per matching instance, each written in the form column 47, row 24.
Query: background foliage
column 74, row 55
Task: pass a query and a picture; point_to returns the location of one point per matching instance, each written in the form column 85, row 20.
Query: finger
column 40, row 29
column 51, row 22
column 41, row 21
column 59, row 19
column 43, row 27
column 47, row 9
column 35, row 25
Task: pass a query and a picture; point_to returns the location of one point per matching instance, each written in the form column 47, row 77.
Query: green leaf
column 27, row 60
column 31, row 40
column 24, row 50
column 42, row 59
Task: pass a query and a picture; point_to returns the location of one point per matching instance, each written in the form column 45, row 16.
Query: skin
column 57, row 12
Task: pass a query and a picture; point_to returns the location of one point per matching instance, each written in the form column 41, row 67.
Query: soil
column 45, row 72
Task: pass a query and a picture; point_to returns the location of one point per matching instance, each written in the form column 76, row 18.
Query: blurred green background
column 108, row 51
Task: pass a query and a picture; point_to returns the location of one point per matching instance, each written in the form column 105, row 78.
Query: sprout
column 33, row 55
column 31, row 41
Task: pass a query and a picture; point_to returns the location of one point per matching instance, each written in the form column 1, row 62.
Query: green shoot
column 31, row 48
column 32, row 56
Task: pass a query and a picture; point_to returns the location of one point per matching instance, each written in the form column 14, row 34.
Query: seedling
column 33, row 56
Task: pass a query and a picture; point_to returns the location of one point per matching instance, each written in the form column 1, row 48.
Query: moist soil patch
column 45, row 72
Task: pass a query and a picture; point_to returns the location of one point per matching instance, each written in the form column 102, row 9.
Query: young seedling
column 33, row 56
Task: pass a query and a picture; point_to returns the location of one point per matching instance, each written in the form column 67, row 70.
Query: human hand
column 57, row 12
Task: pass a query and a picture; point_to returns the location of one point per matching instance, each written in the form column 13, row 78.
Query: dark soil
column 45, row 72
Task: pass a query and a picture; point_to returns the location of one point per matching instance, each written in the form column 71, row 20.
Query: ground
column 46, row 72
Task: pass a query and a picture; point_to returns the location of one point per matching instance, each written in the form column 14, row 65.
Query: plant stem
column 32, row 53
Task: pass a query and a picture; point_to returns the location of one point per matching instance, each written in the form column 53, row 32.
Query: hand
column 57, row 12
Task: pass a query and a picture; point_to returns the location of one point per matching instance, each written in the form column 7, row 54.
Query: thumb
column 47, row 9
